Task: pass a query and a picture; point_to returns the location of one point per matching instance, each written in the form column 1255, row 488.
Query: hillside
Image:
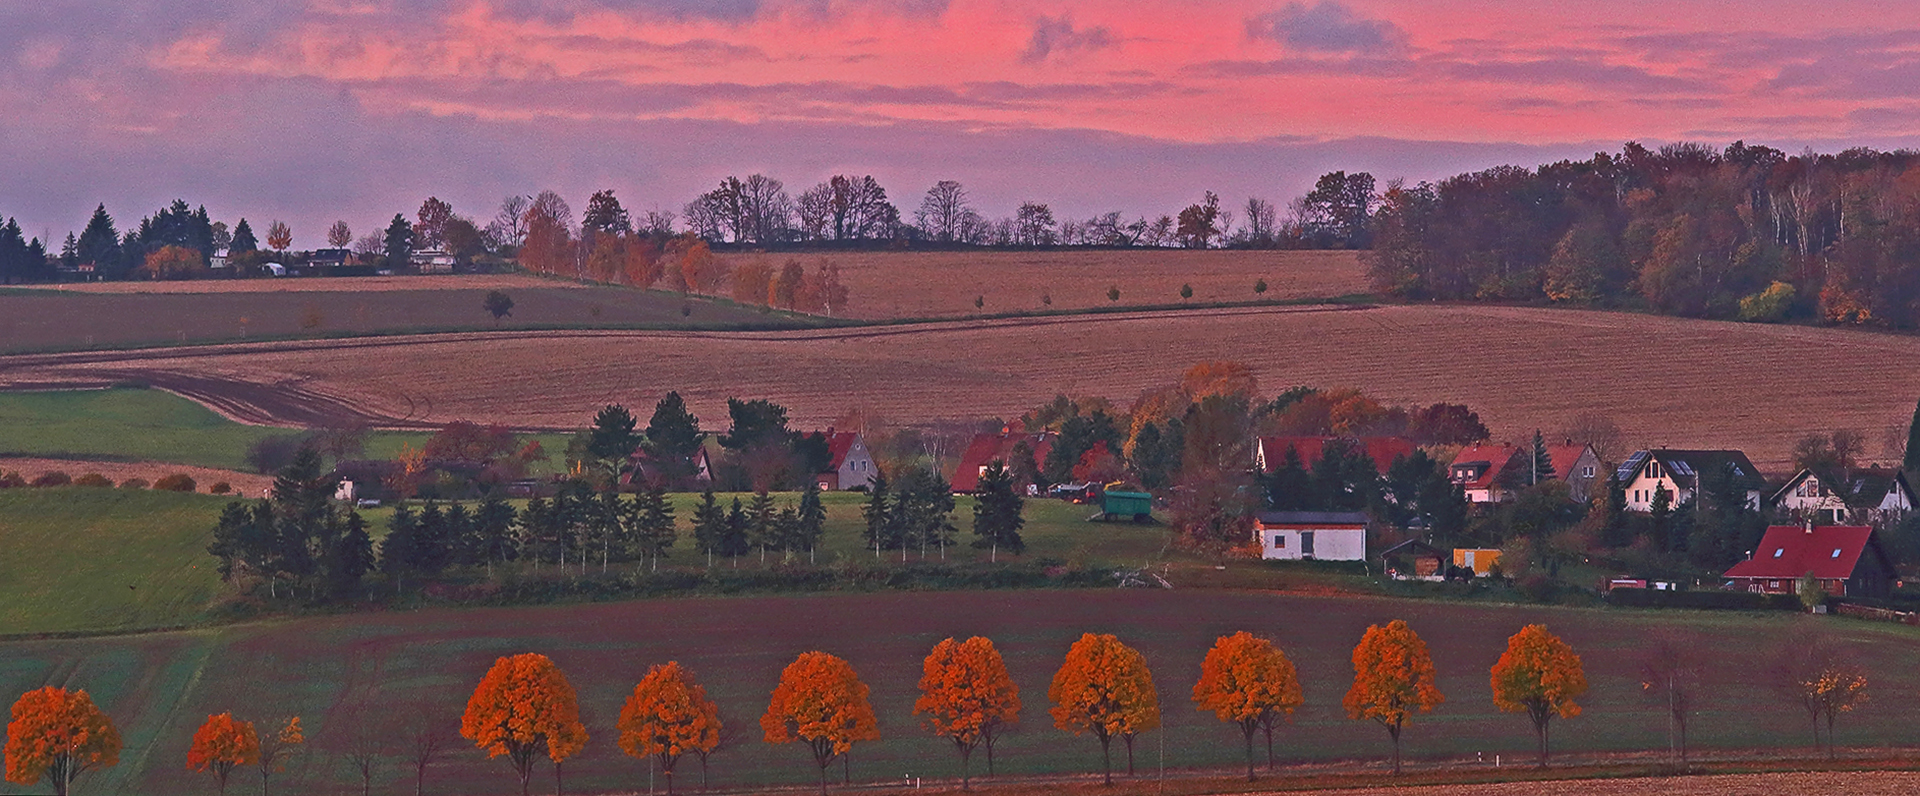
column 1664, row 381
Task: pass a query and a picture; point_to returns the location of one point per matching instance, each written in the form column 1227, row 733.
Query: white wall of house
column 1328, row 544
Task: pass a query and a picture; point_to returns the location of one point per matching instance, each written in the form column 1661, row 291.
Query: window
column 1279, row 542
column 1586, row 472
column 1778, row 550
column 1836, row 552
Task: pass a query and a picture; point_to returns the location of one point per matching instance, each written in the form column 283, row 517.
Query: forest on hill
column 1749, row 233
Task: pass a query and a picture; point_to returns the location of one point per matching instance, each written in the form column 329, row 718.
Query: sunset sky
column 357, row 109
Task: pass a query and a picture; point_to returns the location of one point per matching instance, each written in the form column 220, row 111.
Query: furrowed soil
column 945, row 284
column 338, row 673
column 1671, row 382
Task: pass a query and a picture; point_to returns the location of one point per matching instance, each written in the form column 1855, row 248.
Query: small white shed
column 1312, row 535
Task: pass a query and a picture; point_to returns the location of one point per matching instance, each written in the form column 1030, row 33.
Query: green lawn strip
column 129, row 424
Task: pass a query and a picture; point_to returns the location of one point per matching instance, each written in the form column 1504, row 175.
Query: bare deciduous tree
column 509, row 227
column 943, row 213
column 339, row 235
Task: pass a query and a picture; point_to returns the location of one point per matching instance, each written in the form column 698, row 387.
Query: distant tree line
column 1749, row 232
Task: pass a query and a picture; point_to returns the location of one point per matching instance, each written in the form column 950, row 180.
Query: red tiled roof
column 1382, row 450
column 1564, row 455
column 838, row 445
column 1830, row 552
column 1496, row 456
column 985, row 448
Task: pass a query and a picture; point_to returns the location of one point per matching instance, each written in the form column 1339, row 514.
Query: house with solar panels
column 1679, row 472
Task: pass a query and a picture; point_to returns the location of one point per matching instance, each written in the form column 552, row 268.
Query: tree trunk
column 558, row 788
column 1395, row 732
column 1129, row 739
column 989, row 756
column 1247, row 730
column 1543, row 727
column 1106, row 758
column 1268, row 729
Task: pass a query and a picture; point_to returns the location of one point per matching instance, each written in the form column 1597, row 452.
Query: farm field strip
column 1707, row 384
column 324, row 668
column 941, row 284
column 355, row 284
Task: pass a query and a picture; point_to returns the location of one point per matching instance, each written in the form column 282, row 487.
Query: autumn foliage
column 668, row 716
column 1248, row 681
column 1393, row 678
column 820, row 701
column 1540, row 675
column 968, row 697
column 522, row 707
column 221, row 744
column 1103, row 687
column 57, row 735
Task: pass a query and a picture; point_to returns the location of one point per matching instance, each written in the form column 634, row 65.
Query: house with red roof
column 1270, row 453
column 850, row 465
column 1847, row 560
column 986, row 449
column 1490, row 473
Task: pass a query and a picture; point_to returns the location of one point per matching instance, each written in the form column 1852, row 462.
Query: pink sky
column 360, row 108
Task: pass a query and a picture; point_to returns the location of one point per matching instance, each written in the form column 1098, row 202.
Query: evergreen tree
column 1912, row 461
column 673, row 435
column 398, row 240
column 613, row 439
column 812, row 519
column 352, row 556
column 400, row 551
column 493, row 526
column 432, row 541
column 1542, row 460
column 656, row 523
column 244, row 241
column 760, row 524
column 1151, row 458
column 1662, row 516
column 709, row 524
column 878, row 516
column 463, row 540
column 1616, row 532
column 1290, row 487
column 737, row 542
column 99, row 245
column 997, row 511
column 786, row 530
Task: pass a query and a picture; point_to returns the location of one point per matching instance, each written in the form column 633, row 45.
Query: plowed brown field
column 357, row 284
column 945, row 284
column 1854, row 783
column 1664, row 381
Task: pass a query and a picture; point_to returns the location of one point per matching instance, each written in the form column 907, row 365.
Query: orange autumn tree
column 222, row 744
column 57, row 735
column 1392, row 679
column 1103, row 687
column 821, row 701
column 522, row 707
column 1540, row 675
column 669, row 715
column 968, row 697
column 1248, row 681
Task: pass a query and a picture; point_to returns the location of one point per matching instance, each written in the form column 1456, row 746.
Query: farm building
column 1312, row 535
column 1847, row 560
column 851, row 465
column 1414, row 560
column 986, row 449
column 1873, row 496
column 1270, row 453
column 432, row 261
column 1678, row 472
column 1491, row 473
column 1479, row 559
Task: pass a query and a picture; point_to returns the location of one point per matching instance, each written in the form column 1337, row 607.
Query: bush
column 134, row 483
column 55, row 478
column 220, row 488
column 1768, row 306
column 12, row 479
column 93, row 479
column 175, row 482
column 1706, row 600
column 272, row 454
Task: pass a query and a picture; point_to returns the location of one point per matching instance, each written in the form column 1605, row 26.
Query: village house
column 986, row 449
column 1490, row 473
column 1847, row 560
column 643, row 468
column 1270, row 453
column 1311, row 535
column 432, row 261
column 1873, row 496
column 851, row 466
column 1678, row 472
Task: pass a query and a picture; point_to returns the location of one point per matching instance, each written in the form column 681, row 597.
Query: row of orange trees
column 525, row 709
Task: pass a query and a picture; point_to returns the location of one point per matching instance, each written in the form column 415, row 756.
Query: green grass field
column 87, row 559
column 130, row 424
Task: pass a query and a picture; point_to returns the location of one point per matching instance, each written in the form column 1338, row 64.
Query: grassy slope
column 159, row 686
column 80, row 558
column 150, row 425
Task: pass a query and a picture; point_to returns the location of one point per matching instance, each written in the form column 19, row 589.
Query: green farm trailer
column 1125, row 506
